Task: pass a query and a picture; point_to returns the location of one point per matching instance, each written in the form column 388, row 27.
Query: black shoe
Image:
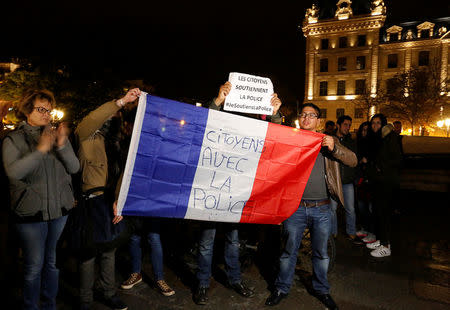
column 327, row 301
column 242, row 289
column 200, row 296
column 354, row 240
column 275, row 298
column 115, row 303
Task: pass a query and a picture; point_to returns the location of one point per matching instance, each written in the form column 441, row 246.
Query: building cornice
column 406, row 44
column 329, row 26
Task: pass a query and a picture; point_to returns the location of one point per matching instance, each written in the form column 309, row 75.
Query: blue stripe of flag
column 166, row 160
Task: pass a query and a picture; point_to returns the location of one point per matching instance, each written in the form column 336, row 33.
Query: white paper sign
column 249, row 94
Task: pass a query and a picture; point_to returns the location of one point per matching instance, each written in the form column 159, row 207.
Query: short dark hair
column 342, row 118
column 329, row 123
column 26, row 104
column 311, row 105
column 397, row 122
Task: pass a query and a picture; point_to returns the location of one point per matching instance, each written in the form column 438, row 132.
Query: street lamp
column 445, row 122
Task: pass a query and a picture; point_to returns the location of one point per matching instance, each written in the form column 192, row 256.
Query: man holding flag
column 208, row 233
column 314, row 213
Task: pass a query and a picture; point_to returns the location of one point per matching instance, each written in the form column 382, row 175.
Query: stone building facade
column 348, row 55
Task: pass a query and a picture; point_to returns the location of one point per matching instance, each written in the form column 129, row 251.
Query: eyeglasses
column 309, row 115
column 43, row 110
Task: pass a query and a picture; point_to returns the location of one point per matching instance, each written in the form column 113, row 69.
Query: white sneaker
column 370, row 238
column 361, row 233
column 381, row 251
column 373, row 245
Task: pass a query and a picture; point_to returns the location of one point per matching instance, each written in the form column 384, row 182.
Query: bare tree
column 368, row 101
column 415, row 95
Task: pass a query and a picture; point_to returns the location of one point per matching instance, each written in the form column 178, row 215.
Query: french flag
column 194, row 163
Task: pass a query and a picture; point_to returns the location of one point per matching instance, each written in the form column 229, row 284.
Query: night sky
column 183, row 48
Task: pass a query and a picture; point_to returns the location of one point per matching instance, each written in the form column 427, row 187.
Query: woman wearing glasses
column 38, row 161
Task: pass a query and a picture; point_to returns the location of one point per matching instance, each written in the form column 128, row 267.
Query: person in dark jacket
column 383, row 171
column 38, row 161
column 343, row 125
column 362, row 187
column 208, row 232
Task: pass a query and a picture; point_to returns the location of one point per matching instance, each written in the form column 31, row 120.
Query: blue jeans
column 38, row 241
column 349, row 206
column 153, row 229
column 317, row 219
column 205, row 256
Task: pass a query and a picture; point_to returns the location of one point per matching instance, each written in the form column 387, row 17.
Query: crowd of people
column 45, row 173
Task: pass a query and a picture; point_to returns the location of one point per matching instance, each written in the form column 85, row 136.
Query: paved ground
column 416, row 276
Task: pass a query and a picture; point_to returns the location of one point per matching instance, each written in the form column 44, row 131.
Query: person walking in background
column 343, row 126
column 38, row 161
column 100, row 156
column 383, row 170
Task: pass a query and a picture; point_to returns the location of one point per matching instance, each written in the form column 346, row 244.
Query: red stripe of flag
column 283, row 170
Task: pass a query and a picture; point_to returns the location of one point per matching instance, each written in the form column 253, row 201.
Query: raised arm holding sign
column 225, row 89
column 248, row 94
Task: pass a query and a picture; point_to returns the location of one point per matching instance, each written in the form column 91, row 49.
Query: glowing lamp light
column 350, row 97
column 373, row 95
column 331, row 97
column 297, row 124
column 447, row 122
column 310, row 97
column 182, row 122
column 341, row 17
column 57, row 115
column 198, row 104
column 440, row 124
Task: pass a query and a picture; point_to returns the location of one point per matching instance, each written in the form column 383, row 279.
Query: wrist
column 120, row 103
column 218, row 101
column 41, row 149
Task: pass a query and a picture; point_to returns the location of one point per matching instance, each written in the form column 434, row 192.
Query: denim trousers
column 205, row 254
column 317, row 219
column 38, row 241
column 106, row 280
column 349, row 206
column 152, row 232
